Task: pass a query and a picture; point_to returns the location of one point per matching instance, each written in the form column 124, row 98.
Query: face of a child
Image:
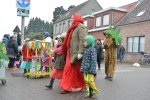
column 59, row 41
column 85, row 42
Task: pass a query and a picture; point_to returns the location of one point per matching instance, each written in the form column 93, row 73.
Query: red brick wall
column 98, row 34
column 140, row 29
column 90, row 23
column 117, row 16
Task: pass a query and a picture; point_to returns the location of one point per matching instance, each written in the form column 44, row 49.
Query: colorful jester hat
column 114, row 34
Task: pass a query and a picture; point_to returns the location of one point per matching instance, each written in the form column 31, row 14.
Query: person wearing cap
column 5, row 40
column 12, row 51
column 46, row 37
column 110, row 55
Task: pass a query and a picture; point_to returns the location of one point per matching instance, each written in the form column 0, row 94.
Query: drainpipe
column 112, row 17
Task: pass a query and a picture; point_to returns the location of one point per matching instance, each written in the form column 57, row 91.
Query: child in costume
column 24, row 54
column 59, row 63
column 88, row 66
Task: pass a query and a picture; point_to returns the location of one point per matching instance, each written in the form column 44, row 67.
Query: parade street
column 130, row 83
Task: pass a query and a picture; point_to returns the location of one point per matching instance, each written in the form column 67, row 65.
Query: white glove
column 79, row 56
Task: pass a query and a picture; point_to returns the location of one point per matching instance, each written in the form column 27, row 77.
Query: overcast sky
column 42, row 9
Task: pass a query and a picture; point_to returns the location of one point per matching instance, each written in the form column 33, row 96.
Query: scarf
column 77, row 19
column 57, row 49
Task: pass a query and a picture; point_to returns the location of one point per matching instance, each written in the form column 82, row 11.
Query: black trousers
column 11, row 62
column 99, row 61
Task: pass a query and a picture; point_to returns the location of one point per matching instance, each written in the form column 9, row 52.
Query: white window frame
column 56, row 28
column 69, row 23
column 85, row 23
column 64, row 27
column 60, row 28
column 135, row 44
column 106, row 20
column 98, row 21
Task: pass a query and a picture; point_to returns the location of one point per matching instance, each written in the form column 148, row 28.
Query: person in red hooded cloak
column 73, row 47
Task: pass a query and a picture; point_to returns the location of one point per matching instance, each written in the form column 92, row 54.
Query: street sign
column 23, row 4
column 23, row 12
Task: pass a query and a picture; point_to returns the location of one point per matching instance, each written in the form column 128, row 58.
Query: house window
column 106, row 20
column 136, row 44
column 85, row 23
column 60, row 28
column 56, row 29
column 63, row 27
column 140, row 13
column 68, row 24
column 98, row 21
column 93, row 10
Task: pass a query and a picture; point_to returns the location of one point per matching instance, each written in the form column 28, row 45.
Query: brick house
column 101, row 20
column 62, row 24
column 135, row 30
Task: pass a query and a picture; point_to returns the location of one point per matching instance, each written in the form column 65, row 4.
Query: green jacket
column 76, row 43
column 59, row 62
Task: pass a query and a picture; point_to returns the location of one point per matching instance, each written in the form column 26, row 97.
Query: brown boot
column 64, row 92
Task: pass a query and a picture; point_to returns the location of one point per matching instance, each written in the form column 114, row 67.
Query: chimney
column 70, row 7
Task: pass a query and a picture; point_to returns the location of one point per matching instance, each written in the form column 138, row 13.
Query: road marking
column 123, row 70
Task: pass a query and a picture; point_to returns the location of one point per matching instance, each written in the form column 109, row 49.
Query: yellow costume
column 110, row 56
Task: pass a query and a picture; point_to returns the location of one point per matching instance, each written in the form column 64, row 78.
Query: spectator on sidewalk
column 121, row 52
column 5, row 40
column 99, row 51
column 18, row 37
column 12, row 51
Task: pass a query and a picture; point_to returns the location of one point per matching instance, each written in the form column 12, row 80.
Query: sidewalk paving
column 130, row 83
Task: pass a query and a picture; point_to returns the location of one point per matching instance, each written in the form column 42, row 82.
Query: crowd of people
column 76, row 56
column 12, row 43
